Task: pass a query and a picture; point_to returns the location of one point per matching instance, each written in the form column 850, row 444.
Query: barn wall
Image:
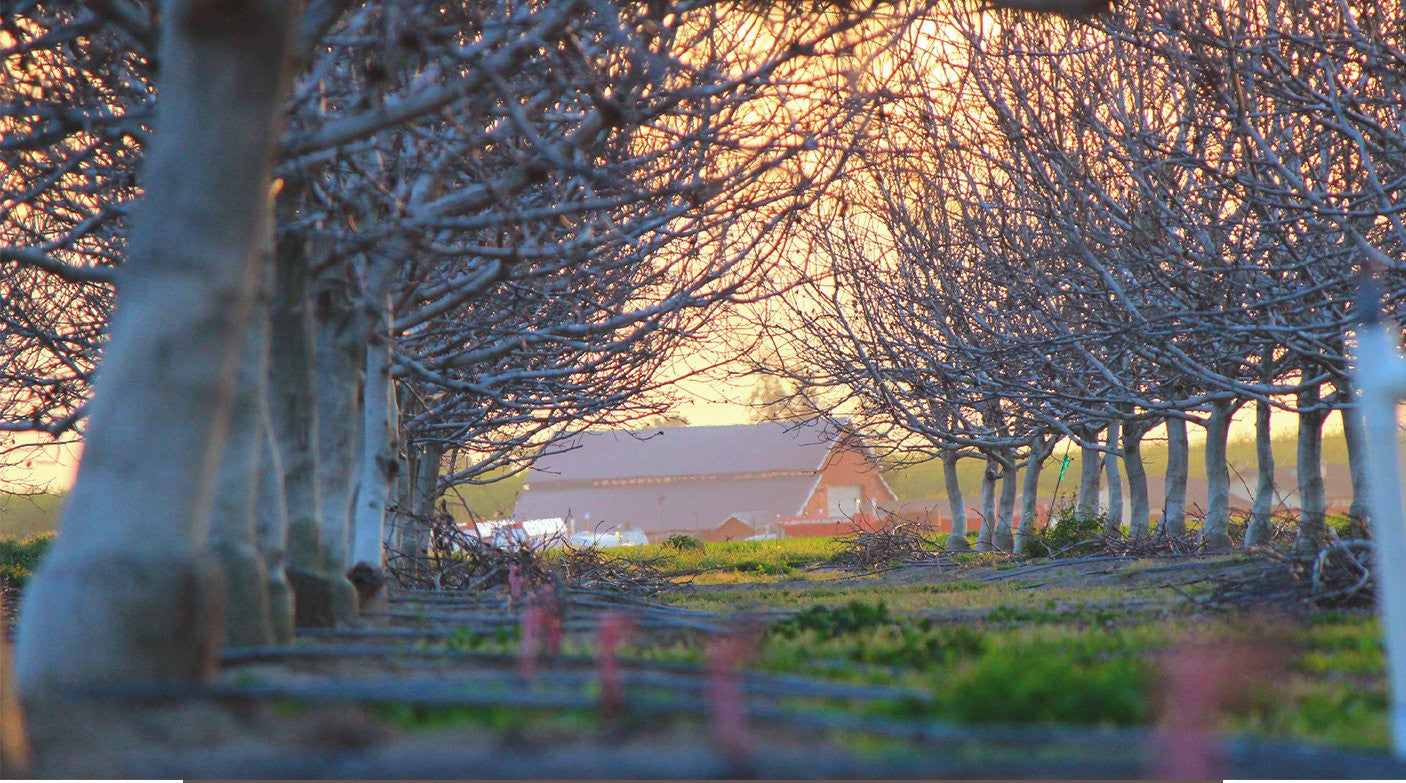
column 847, row 467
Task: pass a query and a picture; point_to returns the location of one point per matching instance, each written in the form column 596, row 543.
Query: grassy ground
column 1084, row 644
column 846, row 671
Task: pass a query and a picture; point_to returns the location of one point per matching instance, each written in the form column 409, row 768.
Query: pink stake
column 515, row 581
column 727, row 705
column 612, row 630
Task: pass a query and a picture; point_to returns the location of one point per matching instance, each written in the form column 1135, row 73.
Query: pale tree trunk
column 321, row 596
column 339, row 359
column 1113, row 523
column 988, row 504
column 1140, row 519
column 1003, row 538
column 415, row 539
column 273, row 531
column 1217, row 520
column 233, row 516
column 1030, row 498
column 1261, row 526
column 956, row 502
column 1090, row 479
column 129, row 592
column 1355, row 436
column 1313, row 502
column 1173, row 522
column 378, row 467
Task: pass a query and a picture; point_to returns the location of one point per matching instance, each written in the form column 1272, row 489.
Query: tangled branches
column 1339, row 575
column 901, row 542
column 460, row 561
column 589, row 568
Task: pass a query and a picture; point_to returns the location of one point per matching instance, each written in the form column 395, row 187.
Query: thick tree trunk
column 233, row 517
column 1113, row 523
column 338, row 366
column 1003, row 539
column 128, row 592
column 1140, row 519
column 378, row 467
column 1030, row 499
column 321, row 596
column 1173, row 522
column 1313, row 502
column 988, row 504
column 1261, row 526
column 1356, row 436
column 1090, row 478
column 956, row 502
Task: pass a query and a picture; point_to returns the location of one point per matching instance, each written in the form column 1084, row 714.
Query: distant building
column 730, row 482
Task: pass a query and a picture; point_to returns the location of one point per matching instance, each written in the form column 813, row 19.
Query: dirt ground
column 417, row 692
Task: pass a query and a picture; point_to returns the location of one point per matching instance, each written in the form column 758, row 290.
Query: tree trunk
column 321, row 596
column 988, row 504
column 1140, row 521
column 338, row 365
column 273, row 530
column 1113, row 523
column 1173, row 522
column 956, row 502
column 1090, row 477
column 1355, row 436
column 1213, row 531
column 1261, row 526
column 415, row 540
column 233, row 517
column 129, row 592
column 1030, row 500
column 378, row 466
column 1005, row 513
column 1313, row 502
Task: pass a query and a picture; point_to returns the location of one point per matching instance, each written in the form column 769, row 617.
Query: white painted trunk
column 1313, row 500
column 1113, row 524
column 1173, row 522
column 988, row 505
column 1090, row 480
column 1002, row 538
column 1030, row 503
column 1261, row 526
column 1140, row 517
column 129, row 592
column 1214, row 529
column 1381, row 376
column 378, row 465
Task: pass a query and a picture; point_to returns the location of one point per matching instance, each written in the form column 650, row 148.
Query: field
column 964, row 665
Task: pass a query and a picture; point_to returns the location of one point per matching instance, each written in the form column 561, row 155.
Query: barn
column 725, row 482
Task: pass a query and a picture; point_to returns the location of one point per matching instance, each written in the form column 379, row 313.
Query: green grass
column 733, row 562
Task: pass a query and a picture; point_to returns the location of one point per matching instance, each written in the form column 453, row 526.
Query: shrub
column 830, row 622
column 19, row 557
column 1067, row 530
column 680, row 542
